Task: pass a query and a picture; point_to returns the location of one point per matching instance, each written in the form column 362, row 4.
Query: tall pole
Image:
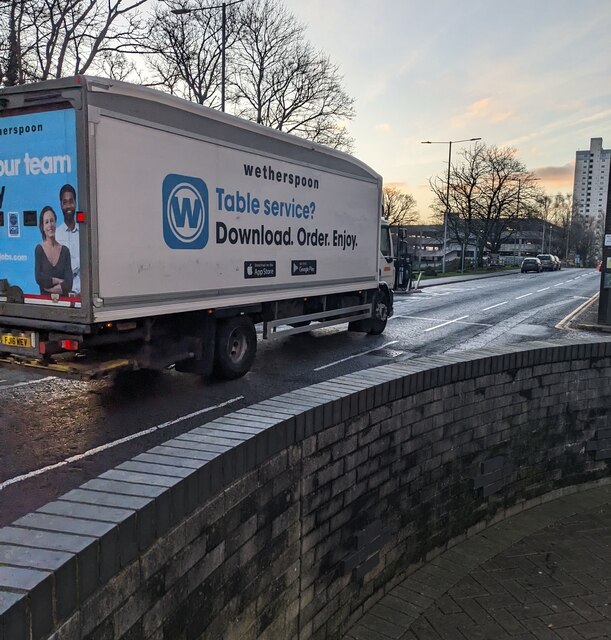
column 446, row 214
column 549, row 240
column 223, row 37
column 223, row 7
column 518, row 221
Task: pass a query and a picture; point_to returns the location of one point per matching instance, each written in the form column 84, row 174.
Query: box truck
column 139, row 230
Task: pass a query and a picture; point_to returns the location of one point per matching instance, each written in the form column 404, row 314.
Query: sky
column 530, row 74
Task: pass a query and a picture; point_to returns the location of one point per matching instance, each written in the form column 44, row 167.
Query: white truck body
column 181, row 209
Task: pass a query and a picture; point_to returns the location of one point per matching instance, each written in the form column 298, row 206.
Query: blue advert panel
column 39, row 231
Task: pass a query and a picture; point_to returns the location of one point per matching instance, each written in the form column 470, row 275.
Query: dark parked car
column 547, row 262
column 531, row 264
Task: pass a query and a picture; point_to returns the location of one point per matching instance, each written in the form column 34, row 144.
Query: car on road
column 547, row 262
column 558, row 262
column 531, row 264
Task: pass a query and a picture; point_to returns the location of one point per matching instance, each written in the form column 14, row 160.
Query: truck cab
column 387, row 257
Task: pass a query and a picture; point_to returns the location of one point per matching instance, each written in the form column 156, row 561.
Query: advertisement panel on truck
column 177, row 214
column 39, row 235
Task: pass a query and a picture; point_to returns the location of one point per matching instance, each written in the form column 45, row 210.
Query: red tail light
column 70, row 345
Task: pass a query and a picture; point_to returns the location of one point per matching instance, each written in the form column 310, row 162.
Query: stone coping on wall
column 57, row 558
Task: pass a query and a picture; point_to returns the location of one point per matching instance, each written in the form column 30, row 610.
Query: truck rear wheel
column 236, row 347
column 381, row 306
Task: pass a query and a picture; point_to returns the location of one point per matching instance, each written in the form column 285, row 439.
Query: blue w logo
column 183, row 209
column 185, row 212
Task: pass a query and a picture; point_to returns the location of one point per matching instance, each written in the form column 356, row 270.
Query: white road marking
column 443, row 324
column 110, row 445
column 559, row 284
column 545, row 289
column 25, row 384
column 476, row 324
column 500, row 304
column 356, row 355
column 525, row 295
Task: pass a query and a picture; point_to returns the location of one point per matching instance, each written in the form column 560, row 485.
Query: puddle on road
column 530, row 330
column 386, row 353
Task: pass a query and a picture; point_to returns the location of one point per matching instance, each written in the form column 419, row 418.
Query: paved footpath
column 544, row 574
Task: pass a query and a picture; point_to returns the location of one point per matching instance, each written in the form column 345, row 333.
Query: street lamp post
column 223, row 7
column 549, row 239
column 447, row 211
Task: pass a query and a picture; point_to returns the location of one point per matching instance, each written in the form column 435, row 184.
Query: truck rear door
column 41, row 230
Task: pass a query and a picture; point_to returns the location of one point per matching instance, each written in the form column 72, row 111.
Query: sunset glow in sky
column 535, row 75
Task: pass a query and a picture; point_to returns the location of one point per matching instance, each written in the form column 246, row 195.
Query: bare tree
column 186, row 50
column 13, row 24
column 399, row 208
column 543, row 207
column 56, row 38
column 462, row 203
column 274, row 76
column 506, row 176
column 562, row 216
column 279, row 80
column 489, row 190
column 583, row 233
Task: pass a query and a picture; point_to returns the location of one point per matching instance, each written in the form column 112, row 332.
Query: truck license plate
column 17, row 341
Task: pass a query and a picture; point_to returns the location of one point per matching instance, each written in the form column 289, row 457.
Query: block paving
column 544, row 574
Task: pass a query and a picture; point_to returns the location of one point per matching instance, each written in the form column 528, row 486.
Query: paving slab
column 544, row 573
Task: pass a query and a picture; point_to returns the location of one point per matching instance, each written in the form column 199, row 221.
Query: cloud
column 595, row 117
column 557, row 177
column 569, row 124
column 400, row 186
column 578, row 105
column 483, row 110
column 501, row 117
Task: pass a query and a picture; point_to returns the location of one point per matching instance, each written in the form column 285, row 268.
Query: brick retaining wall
column 290, row 518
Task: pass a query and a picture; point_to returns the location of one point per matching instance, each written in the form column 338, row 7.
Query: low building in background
column 521, row 239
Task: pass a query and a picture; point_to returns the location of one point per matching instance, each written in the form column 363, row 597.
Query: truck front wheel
column 236, row 347
column 381, row 306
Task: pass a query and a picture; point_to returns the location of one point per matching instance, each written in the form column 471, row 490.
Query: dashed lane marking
column 356, row 355
column 25, row 384
column 443, row 324
column 458, row 320
column 500, row 304
column 114, row 443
